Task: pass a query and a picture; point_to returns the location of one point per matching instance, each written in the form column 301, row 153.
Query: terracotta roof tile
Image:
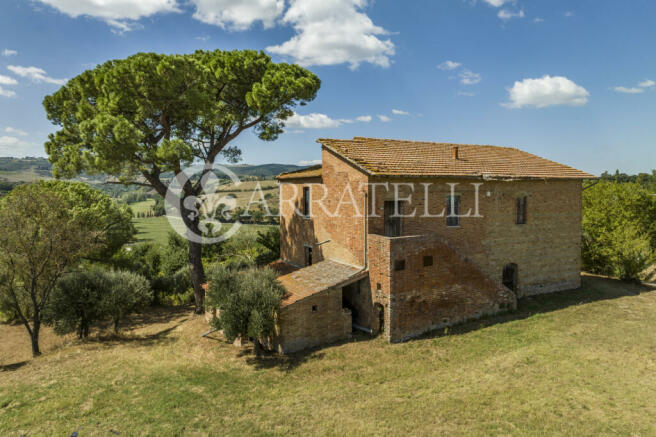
column 386, row 157
column 310, row 172
column 317, row 278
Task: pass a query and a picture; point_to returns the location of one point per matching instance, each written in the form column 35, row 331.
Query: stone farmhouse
column 402, row 237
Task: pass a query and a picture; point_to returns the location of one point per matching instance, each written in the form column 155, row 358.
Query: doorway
column 509, row 277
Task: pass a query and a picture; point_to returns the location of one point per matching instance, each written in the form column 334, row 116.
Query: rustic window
column 315, row 308
column 399, row 264
column 520, row 211
column 428, row 261
column 452, row 210
column 378, row 286
column 393, row 212
column 308, row 255
column 306, row 201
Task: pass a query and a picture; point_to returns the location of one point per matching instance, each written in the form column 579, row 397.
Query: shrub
column 82, row 298
column 126, row 293
column 76, row 302
column 247, row 301
column 619, row 229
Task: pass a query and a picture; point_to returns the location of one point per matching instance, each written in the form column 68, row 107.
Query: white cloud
column 8, row 141
column 6, row 93
column 546, row 91
column 505, row 14
column 642, row 86
column 625, row 90
column 384, row 118
column 538, row 20
column 497, row 3
column 8, row 52
column 469, row 78
column 330, row 32
column 238, row 14
column 12, row 146
column 6, row 80
column 14, row 131
column 569, row 14
column 36, row 74
column 307, row 163
column 399, row 112
column 449, row 65
column 321, row 121
column 311, row 121
column 120, row 14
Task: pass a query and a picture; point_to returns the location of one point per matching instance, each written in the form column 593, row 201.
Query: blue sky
column 572, row 81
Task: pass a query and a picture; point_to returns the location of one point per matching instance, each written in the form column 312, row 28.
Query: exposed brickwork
column 422, row 298
column 300, row 327
column 344, row 234
column 465, row 280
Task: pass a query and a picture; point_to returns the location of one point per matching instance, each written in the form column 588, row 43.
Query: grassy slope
column 575, row 363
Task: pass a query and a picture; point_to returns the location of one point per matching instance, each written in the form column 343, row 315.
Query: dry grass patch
column 574, row 363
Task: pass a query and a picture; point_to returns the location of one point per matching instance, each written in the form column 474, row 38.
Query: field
column 156, row 229
column 142, row 207
column 573, row 363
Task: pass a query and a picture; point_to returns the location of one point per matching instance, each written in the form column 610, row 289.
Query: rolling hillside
column 29, row 169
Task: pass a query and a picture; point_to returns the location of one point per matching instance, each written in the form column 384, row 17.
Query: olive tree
column 40, row 240
column 151, row 115
column 245, row 303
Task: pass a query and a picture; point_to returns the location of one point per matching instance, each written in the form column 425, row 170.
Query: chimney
column 454, row 152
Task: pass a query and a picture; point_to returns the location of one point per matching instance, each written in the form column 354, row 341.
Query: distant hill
column 29, row 169
column 263, row 170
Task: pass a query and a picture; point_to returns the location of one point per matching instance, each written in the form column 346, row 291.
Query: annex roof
column 316, row 278
column 310, row 172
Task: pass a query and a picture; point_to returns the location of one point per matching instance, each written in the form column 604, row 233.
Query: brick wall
column 313, row 321
column 546, row 249
column 424, row 297
column 468, row 259
column 342, row 236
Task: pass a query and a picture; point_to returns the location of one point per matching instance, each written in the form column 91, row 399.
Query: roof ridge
column 397, row 140
column 391, row 157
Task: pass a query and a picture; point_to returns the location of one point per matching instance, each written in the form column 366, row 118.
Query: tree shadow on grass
column 593, row 288
column 286, row 363
column 13, row 366
column 289, row 362
column 157, row 338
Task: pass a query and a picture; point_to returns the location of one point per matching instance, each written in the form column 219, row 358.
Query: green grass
column 156, row 229
column 578, row 363
column 142, row 207
column 23, row 176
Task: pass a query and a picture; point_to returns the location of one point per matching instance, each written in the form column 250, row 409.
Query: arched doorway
column 509, row 276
